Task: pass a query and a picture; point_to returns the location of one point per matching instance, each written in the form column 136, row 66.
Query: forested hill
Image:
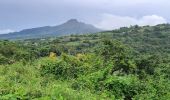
column 144, row 39
column 124, row 64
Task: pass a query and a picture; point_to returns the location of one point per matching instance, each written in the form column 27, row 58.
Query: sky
column 16, row 15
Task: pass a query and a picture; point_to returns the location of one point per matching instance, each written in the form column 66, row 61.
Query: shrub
column 66, row 67
column 3, row 60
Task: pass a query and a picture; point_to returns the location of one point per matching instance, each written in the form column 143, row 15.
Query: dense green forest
column 124, row 64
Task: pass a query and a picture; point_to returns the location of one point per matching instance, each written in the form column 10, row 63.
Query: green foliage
column 67, row 67
column 3, row 60
column 18, row 81
column 117, row 54
column 124, row 64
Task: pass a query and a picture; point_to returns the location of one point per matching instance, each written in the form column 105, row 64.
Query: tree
column 117, row 54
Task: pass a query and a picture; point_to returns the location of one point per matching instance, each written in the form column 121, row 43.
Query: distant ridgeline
column 70, row 27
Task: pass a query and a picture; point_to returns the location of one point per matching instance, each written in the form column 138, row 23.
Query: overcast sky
column 16, row 15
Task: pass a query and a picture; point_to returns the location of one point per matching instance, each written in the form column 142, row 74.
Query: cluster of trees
column 129, row 63
column 111, row 72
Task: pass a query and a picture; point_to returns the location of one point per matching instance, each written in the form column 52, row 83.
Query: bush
column 66, row 67
column 3, row 60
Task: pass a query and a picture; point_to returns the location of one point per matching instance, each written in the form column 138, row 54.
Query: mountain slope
column 70, row 27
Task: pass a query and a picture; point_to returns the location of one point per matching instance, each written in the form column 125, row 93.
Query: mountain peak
column 72, row 26
column 72, row 21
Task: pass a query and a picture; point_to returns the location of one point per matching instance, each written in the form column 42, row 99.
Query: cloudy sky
column 16, row 15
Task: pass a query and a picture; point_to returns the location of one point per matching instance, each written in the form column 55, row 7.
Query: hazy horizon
column 105, row 14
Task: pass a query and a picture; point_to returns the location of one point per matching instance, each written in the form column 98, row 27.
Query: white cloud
column 32, row 13
column 6, row 31
column 109, row 21
column 151, row 20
